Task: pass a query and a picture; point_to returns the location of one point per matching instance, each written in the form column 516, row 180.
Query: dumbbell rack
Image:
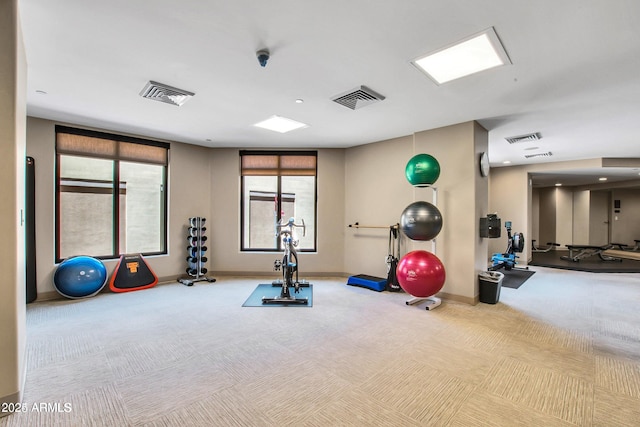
column 196, row 271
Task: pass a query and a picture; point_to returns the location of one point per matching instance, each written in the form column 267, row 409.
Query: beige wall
column 462, row 198
column 625, row 225
column 189, row 195
column 564, row 216
column 599, row 216
column 581, row 203
column 202, row 182
column 584, row 211
column 224, row 224
column 13, row 72
column 548, row 215
column 535, row 217
column 514, row 183
column 509, row 189
column 40, row 146
column 378, row 192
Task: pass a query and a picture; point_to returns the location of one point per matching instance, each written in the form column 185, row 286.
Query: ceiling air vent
column 524, row 138
column 358, row 98
column 165, row 93
column 547, row 154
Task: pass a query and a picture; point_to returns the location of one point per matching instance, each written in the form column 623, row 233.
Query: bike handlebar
column 291, row 223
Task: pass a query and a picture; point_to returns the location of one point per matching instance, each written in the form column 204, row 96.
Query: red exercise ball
column 421, row 274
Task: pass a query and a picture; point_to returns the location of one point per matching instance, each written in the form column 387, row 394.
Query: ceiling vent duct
column 547, row 154
column 358, row 98
column 165, row 93
column 524, row 138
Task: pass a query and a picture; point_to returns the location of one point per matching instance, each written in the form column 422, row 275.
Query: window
column 111, row 194
column 277, row 185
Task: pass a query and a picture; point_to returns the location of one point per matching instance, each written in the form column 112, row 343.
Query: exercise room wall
column 625, row 227
column 224, row 225
column 514, row 181
column 377, row 192
column 462, row 198
column 554, row 208
column 546, row 212
column 189, row 195
column 509, row 197
column 564, row 216
column 13, row 73
column 581, row 202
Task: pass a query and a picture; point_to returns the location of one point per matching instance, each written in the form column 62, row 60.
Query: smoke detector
column 358, row 98
column 524, row 138
column 165, row 93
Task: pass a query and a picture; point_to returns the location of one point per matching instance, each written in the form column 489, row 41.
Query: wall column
column 462, row 198
column 12, row 169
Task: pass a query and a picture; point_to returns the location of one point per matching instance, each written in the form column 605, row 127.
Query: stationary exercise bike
column 288, row 265
column 507, row 259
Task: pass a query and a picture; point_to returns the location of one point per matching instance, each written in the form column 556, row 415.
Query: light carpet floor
column 563, row 350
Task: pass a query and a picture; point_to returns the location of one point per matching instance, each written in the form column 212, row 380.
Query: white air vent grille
column 524, row 138
column 547, row 154
column 358, row 98
column 165, row 93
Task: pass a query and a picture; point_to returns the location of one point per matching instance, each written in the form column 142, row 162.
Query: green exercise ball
column 422, row 170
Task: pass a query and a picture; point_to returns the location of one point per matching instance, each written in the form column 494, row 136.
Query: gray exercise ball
column 421, row 221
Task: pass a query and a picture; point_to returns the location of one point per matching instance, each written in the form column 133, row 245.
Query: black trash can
column 490, row 284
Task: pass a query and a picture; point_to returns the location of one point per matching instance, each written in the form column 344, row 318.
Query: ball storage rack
column 196, row 259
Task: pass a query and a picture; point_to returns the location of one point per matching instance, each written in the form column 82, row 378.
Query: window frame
column 115, row 190
column 279, row 153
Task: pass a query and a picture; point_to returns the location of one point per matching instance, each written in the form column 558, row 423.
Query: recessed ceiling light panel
column 280, row 124
column 476, row 53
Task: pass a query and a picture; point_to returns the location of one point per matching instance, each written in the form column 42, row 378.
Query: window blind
column 79, row 142
column 269, row 163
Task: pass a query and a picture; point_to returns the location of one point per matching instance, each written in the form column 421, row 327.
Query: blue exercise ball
column 80, row 277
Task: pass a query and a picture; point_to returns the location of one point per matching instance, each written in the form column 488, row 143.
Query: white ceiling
column 574, row 77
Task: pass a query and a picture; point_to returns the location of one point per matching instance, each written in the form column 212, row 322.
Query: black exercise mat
column 592, row 264
column 515, row 278
column 264, row 290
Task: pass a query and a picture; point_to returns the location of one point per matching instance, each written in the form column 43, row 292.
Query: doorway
column 600, row 218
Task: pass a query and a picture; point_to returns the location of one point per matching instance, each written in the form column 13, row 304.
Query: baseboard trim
column 8, row 402
column 48, row 296
column 459, row 298
column 305, row 274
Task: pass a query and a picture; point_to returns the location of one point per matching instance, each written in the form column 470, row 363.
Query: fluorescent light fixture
column 280, row 124
column 558, row 184
column 476, row 53
column 602, row 179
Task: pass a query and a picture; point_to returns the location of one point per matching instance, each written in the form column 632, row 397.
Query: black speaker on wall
column 30, row 229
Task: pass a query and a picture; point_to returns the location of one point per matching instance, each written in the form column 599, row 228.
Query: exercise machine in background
column 536, row 248
column 579, row 252
column 288, row 265
column 507, row 259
